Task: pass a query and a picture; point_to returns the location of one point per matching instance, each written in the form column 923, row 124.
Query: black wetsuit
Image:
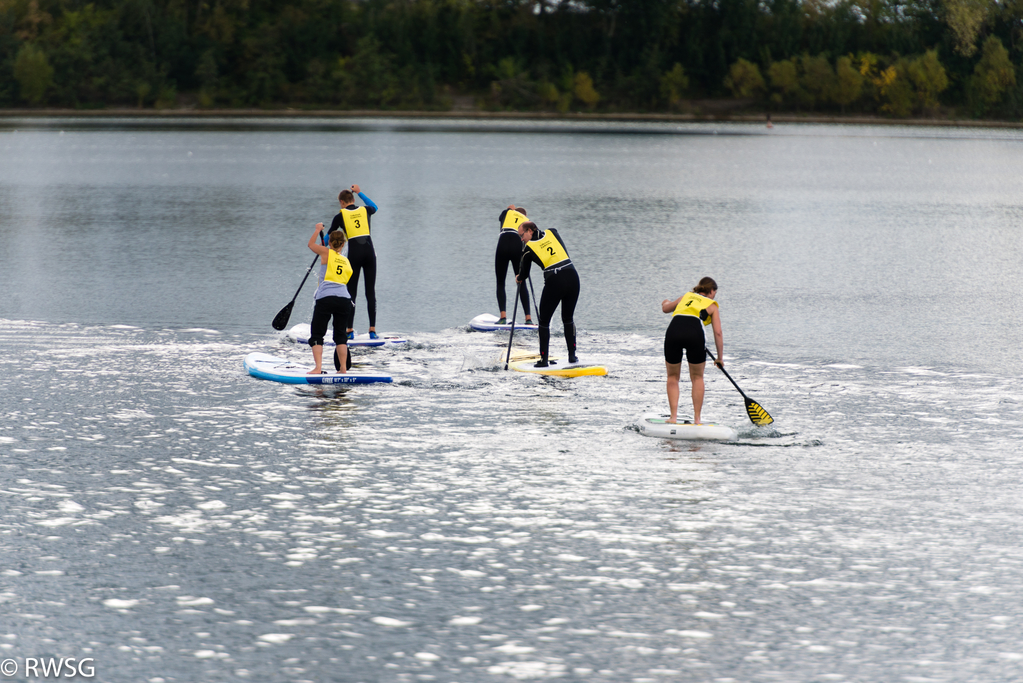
column 363, row 258
column 560, row 286
column 509, row 251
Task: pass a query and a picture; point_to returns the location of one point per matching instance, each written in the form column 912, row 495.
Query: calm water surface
column 173, row 519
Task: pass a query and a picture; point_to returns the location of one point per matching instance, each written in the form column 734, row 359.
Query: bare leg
column 342, row 352
column 318, row 359
column 696, row 376
column 674, row 371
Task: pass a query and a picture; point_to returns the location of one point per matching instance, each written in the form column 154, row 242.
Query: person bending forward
column 690, row 313
column 560, row 284
column 509, row 252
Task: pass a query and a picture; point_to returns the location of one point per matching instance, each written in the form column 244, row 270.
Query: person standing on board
column 560, row 284
column 332, row 298
column 354, row 220
column 509, row 250
column 690, row 313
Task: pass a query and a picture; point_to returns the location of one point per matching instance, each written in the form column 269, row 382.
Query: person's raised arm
column 316, row 246
column 365, row 200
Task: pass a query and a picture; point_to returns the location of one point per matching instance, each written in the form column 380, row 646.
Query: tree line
column 890, row 57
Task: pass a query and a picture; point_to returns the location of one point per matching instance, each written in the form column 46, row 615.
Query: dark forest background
column 889, row 57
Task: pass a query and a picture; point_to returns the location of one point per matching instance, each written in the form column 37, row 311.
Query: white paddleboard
column 657, row 426
column 300, row 333
column 526, row 362
column 265, row 366
column 487, row 322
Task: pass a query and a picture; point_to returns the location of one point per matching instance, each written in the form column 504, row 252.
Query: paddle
column 756, row 412
column 511, row 334
column 281, row 319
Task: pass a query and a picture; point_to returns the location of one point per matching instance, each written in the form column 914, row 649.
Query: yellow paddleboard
column 525, row 361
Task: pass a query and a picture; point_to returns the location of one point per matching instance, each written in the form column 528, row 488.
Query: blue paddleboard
column 265, row 366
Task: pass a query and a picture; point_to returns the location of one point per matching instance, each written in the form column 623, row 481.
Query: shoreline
column 127, row 113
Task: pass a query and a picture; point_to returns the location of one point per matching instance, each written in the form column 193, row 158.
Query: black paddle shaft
column 754, row 410
column 281, row 319
column 722, row 369
column 511, row 334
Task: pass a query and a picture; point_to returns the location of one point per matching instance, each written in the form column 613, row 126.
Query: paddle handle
column 511, row 334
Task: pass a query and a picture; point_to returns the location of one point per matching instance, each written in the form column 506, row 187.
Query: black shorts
column 685, row 332
column 336, row 307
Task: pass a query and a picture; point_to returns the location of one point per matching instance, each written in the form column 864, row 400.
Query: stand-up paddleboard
column 300, row 333
column 658, row 426
column 487, row 322
column 525, row 362
column 265, row 366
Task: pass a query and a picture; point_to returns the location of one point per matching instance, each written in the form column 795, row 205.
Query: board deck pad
column 487, row 322
column 300, row 333
column 657, row 426
column 524, row 361
column 275, row 369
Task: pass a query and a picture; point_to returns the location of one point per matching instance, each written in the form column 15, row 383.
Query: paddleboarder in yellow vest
column 354, row 220
column 332, row 298
column 509, row 251
column 560, row 284
column 690, row 313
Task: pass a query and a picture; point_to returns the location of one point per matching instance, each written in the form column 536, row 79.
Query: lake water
column 172, row 519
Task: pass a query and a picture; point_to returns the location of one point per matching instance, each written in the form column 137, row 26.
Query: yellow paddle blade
column 757, row 414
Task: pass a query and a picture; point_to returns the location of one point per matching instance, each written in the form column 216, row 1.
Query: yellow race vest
column 549, row 250
column 339, row 268
column 512, row 220
column 356, row 221
column 695, row 305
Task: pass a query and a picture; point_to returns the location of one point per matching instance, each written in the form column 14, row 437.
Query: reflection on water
column 179, row 521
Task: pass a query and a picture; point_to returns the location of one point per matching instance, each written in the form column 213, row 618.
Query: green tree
column 784, row 77
column 993, row 74
column 894, row 91
column 929, row 78
column 964, row 19
column 674, row 83
column 818, row 78
column 33, row 72
column 848, row 83
column 548, row 93
column 744, row 79
column 370, row 74
column 207, row 74
column 584, row 91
